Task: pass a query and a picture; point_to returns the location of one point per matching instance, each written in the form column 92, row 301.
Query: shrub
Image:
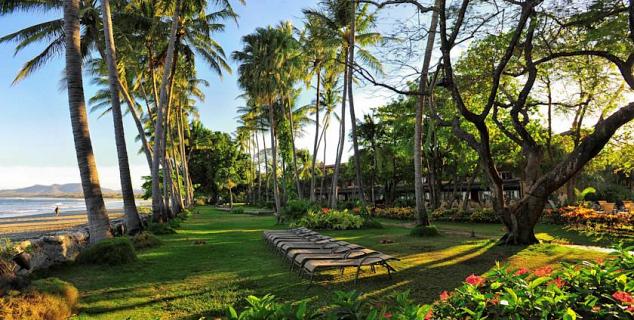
column 483, row 215
column 237, row 211
column 113, row 251
column 161, row 228
column 395, row 213
column 49, row 299
column 296, row 209
column 591, row 290
column 346, row 305
column 145, row 240
column 200, row 201
column 424, row 231
column 332, row 219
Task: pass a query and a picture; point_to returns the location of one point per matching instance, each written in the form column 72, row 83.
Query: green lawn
column 184, row 280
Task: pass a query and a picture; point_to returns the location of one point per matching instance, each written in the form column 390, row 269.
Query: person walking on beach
column 57, row 211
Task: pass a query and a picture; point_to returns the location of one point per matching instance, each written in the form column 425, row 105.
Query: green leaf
column 570, row 315
column 537, row 282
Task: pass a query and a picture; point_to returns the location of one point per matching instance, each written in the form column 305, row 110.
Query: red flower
column 600, row 260
column 630, row 308
column 428, row 315
column 387, row 315
column 558, row 282
column 325, row 210
column 444, row 296
column 495, row 300
column 521, row 271
column 475, row 280
column 623, row 297
column 543, row 271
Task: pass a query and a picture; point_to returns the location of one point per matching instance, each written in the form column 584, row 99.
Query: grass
column 217, row 258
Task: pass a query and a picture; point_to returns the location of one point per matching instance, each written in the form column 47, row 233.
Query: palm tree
column 195, row 29
column 98, row 221
column 262, row 72
column 318, row 51
column 351, row 28
column 133, row 223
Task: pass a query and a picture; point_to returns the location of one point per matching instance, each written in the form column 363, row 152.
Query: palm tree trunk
column 185, row 166
column 342, row 140
column 133, row 222
column 147, row 150
column 293, row 153
column 353, row 118
column 421, row 213
column 323, row 173
column 276, row 191
column 157, row 199
column 98, row 222
column 316, row 145
column 266, row 169
column 258, row 169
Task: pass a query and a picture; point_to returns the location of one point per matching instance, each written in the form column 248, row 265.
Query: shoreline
column 37, row 225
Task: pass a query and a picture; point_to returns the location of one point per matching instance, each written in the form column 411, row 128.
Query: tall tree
column 517, row 57
column 98, row 221
column 133, row 222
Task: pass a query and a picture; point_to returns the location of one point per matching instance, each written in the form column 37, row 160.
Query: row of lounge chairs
column 309, row 253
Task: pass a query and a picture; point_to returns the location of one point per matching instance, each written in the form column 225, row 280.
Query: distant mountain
column 55, row 190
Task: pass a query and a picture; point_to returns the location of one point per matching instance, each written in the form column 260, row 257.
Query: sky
column 36, row 145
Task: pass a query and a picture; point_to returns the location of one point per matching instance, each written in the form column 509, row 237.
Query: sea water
column 20, row 207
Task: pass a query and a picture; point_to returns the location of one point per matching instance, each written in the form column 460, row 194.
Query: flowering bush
column 620, row 224
column 480, row 215
column 591, row 290
column 395, row 213
column 331, row 219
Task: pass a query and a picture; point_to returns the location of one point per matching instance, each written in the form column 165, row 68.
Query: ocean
column 20, row 207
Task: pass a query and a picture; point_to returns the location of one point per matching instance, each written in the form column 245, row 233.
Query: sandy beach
column 17, row 228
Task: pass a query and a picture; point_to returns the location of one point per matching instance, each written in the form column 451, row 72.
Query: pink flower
column 521, row 271
column 623, row 297
column 444, row 296
column 543, row 271
column 429, row 315
column 630, row 308
column 325, row 210
column 475, row 280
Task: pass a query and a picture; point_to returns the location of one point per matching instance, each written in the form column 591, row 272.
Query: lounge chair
column 290, row 254
column 301, row 259
column 312, row 267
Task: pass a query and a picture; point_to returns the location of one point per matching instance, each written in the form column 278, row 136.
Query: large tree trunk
column 276, row 191
column 133, row 223
column 158, row 206
column 98, row 222
column 353, row 118
column 421, row 213
column 342, row 139
column 316, row 144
